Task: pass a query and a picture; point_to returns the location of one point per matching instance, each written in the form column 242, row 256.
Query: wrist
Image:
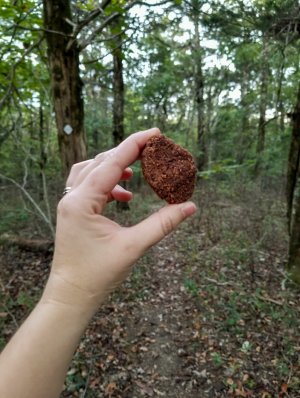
column 64, row 293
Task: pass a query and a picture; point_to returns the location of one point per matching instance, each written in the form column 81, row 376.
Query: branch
column 100, row 28
column 218, row 283
column 32, row 201
column 14, row 67
column 43, row 30
column 93, row 15
column 86, row 42
column 271, row 120
column 33, row 245
column 270, row 300
column 161, row 3
column 91, row 61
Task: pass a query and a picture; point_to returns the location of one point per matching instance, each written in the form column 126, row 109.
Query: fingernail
column 188, row 209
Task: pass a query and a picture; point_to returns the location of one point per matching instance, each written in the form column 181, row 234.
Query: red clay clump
column 169, row 169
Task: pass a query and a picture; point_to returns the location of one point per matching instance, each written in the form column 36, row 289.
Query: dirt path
column 162, row 326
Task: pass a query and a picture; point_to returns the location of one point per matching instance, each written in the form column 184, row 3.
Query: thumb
column 154, row 228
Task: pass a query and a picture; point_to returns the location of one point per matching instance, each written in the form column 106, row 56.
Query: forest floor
column 208, row 312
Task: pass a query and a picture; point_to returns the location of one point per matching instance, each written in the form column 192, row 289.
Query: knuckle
column 73, row 173
column 62, row 208
column 67, row 206
column 98, row 158
column 105, row 156
column 75, row 167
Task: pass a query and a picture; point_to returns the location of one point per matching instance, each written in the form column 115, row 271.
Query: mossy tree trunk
column 66, row 83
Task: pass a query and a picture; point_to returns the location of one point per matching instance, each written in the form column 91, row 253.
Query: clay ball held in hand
column 169, row 169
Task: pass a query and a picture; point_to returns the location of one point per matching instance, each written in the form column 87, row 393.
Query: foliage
column 159, row 70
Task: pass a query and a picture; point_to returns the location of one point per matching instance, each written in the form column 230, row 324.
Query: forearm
column 35, row 362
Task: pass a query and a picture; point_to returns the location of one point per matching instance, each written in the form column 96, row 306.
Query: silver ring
column 66, row 190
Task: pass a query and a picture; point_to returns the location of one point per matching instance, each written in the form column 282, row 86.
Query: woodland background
column 212, row 311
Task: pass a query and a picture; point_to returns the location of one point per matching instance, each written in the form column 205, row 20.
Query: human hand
column 93, row 254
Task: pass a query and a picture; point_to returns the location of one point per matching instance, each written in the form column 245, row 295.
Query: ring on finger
column 66, row 190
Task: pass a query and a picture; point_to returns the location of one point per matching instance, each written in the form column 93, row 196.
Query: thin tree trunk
column 279, row 107
column 43, row 154
column 118, row 91
column 202, row 157
column 118, row 103
column 262, row 109
column 208, row 124
column 65, row 82
column 244, row 124
column 190, row 121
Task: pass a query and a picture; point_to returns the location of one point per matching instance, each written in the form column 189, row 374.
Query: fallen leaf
column 110, row 388
column 3, row 314
column 284, row 389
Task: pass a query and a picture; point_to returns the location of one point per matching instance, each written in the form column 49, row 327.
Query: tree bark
column 66, row 83
column 293, row 202
column 43, row 153
column 202, row 157
column 293, row 161
column 262, row 109
column 294, row 247
column 279, row 106
column 118, row 95
column 244, row 125
column 118, row 91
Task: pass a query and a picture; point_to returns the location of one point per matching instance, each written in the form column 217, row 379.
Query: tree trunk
column 293, row 161
column 66, row 83
column 293, row 202
column 294, row 248
column 43, row 153
column 279, row 107
column 262, row 109
column 243, row 140
column 118, row 92
column 202, row 157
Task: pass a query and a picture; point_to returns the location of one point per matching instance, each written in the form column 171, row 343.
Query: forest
column 214, row 309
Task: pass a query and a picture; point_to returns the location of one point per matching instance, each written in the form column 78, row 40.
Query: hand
column 92, row 253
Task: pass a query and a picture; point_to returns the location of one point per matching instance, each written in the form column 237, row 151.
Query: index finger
column 104, row 177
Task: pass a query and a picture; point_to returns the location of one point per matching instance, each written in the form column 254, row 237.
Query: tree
column 202, row 156
column 63, row 54
column 118, row 82
column 65, row 82
column 293, row 200
column 263, row 101
column 118, row 90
